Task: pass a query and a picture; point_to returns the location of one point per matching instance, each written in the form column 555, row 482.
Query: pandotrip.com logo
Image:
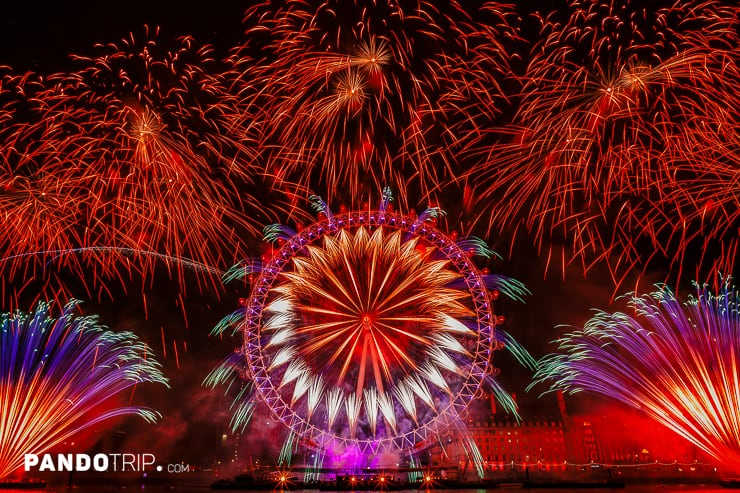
column 99, row 463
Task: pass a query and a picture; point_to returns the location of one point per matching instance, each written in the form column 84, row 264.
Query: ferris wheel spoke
column 352, row 301
column 398, row 351
column 331, row 313
column 347, row 305
column 390, row 269
column 345, row 366
column 326, row 339
column 363, row 363
column 357, row 298
column 407, row 333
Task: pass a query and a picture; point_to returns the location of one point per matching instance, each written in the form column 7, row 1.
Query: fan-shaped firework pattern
column 677, row 363
column 363, row 94
column 369, row 329
column 624, row 109
column 132, row 152
column 59, row 376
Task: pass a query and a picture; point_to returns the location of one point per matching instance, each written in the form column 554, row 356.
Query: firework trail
column 676, row 363
column 360, row 95
column 59, row 376
column 368, row 330
column 624, row 110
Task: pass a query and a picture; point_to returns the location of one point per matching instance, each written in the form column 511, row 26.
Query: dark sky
column 39, row 35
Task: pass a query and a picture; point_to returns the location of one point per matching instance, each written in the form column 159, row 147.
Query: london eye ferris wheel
column 370, row 329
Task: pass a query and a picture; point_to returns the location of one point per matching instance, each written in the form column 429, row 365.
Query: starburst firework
column 369, row 329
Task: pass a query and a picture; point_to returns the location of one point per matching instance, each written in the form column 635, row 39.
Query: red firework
column 360, row 95
column 620, row 108
column 126, row 162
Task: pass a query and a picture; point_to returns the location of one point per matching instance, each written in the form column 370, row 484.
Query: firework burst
column 676, row 363
column 368, row 329
column 59, row 376
column 363, row 94
column 621, row 106
column 132, row 152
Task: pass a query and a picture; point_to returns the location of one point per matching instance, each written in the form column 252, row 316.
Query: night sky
column 39, row 37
